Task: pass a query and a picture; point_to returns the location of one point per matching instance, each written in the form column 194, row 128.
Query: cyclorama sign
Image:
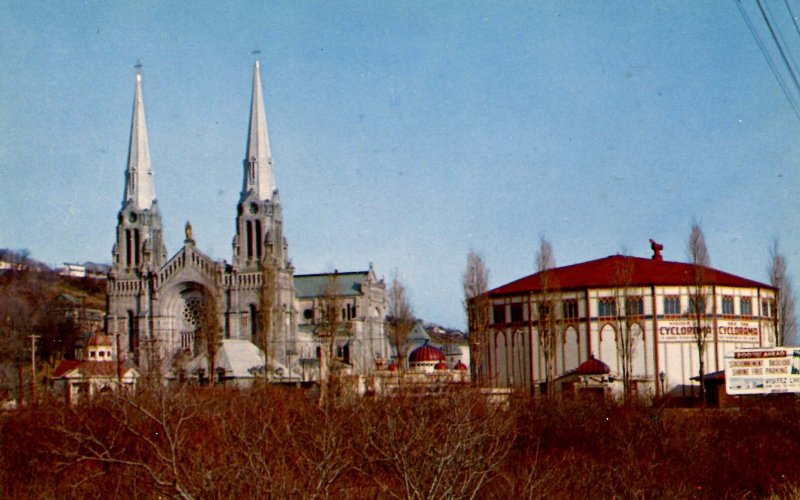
column 685, row 331
column 763, row 370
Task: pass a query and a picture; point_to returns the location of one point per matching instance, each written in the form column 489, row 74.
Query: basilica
column 156, row 302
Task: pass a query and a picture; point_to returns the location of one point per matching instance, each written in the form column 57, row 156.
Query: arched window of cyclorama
column 520, row 355
column 501, row 366
column 638, row 350
column 571, row 347
column 607, row 346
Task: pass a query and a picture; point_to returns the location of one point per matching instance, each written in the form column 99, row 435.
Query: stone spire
column 139, row 188
column 258, row 176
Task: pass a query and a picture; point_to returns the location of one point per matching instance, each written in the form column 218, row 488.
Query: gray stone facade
column 154, row 303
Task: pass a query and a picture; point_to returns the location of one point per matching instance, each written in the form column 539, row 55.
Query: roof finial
column 657, row 248
column 256, row 52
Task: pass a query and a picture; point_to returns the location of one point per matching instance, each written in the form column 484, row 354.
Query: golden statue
column 188, row 230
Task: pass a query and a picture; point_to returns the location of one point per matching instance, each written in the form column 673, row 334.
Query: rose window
column 191, row 311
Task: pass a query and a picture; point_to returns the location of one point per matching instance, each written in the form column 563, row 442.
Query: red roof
column 592, row 366
column 100, row 340
column 621, row 270
column 65, row 365
column 426, row 353
column 441, row 365
column 89, row 368
column 461, row 366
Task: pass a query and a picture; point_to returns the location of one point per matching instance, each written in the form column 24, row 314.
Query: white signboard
column 763, row 370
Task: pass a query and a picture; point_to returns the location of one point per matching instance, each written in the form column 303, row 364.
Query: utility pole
column 33, row 367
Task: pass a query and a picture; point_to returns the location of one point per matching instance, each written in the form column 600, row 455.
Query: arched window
column 258, row 239
column 133, row 336
column 136, row 247
column 253, row 322
column 128, row 248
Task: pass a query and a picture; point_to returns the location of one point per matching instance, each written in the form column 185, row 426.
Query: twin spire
column 258, row 176
column 139, row 187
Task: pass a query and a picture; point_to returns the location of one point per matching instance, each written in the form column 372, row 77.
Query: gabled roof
column 64, row 366
column 418, row 334
column 718, row 375
column 238, row 357
column 620, row 270
column 91, row 368
column 317, row 285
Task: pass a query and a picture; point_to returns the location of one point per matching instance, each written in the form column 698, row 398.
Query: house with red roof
column 642, row 318
column 97, row 373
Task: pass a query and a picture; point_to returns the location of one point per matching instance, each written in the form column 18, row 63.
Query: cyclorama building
column 155, row 302
column 601, row 306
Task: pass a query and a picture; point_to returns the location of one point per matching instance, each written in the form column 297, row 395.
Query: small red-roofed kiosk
column 591, row 379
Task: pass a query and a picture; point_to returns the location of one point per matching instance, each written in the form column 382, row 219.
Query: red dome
column 393, row 367
column 426, row 354
column 592, row 366
column 441, row 365
column 461, row 366
column 100, row 340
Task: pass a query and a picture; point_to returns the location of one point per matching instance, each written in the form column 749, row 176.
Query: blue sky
column 407, row 133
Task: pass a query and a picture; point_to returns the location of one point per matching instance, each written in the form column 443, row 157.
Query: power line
column 776, row 35
column 791, row 14
column 769, row 60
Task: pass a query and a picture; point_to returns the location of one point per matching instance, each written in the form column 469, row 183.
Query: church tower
column 259, row 221
column 139, row 246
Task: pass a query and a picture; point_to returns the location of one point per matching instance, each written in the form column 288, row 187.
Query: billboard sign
column 762, row 370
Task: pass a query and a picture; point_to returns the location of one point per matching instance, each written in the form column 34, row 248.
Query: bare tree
column 548, row 313
column 545, row 257
column 700, row 294
column 28, row 307
column 626, row 321
column 331, row 328
column 267, row 309
column 785, row 316
column 477, row 306
column 209, row 331
column 144, row 435
column 472, row 439
column 400, row 318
